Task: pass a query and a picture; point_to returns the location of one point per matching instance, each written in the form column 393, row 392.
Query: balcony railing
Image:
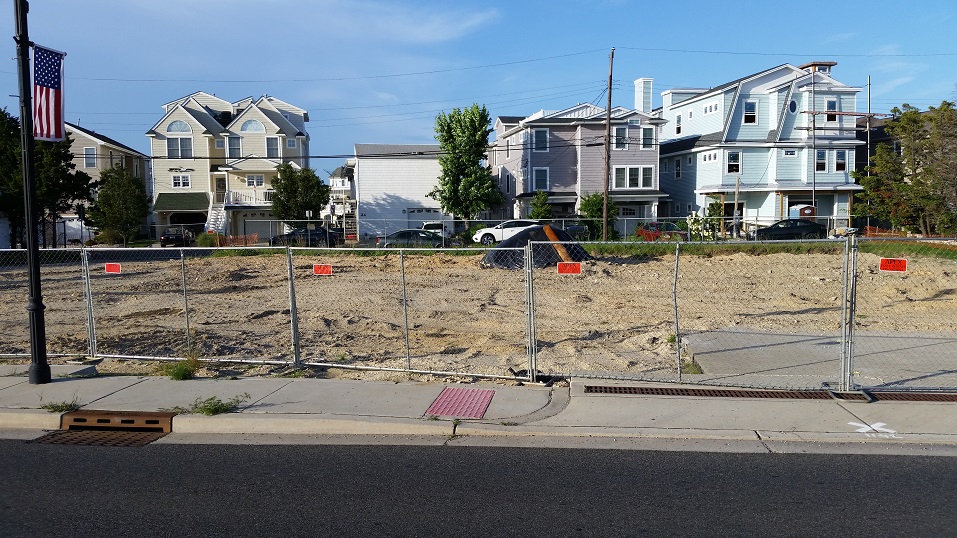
column 251, row 197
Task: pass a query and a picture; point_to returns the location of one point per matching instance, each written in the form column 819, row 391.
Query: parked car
column 575, row 226
column 411, row 238
column 177, row 236
column 501, row 232
column 661, row 231
column 790, row 229
column 436, row 226
column 302, row 237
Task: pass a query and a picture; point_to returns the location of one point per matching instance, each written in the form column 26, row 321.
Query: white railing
column 249, row 197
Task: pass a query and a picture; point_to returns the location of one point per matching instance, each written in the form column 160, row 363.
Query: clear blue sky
column 374, row 71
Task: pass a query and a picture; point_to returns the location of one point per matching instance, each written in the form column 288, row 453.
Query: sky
column 372, row 71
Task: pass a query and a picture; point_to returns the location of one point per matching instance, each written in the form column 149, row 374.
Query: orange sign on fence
column 322, row 269
column 897, row 265
column 113, row 268
column 569, row 268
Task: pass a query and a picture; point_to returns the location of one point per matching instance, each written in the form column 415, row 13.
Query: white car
column 497, row 234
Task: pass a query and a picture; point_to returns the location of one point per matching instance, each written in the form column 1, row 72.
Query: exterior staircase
column 216, row 222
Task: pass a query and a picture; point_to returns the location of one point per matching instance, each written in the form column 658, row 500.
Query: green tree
column 298, row 190
column 592, row 207
column 541, row 209
column 58, row 185
column 11, row 175
column 916, row 187
column 466, row 186
column 121, row 204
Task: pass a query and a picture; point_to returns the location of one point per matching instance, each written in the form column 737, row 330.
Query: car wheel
column 488, row 240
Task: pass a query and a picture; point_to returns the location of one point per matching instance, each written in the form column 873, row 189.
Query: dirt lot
column 617, row 316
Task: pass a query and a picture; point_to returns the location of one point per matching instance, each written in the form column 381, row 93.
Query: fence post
column 405, row 309
column 532, row 343
column 674, row 297
column 293, row 311
column 849, row 313
column 90, row 320
column 189, row 343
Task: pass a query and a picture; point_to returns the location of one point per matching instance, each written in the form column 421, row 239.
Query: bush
column 109, row 237
column 209, row 240
column 182, row 370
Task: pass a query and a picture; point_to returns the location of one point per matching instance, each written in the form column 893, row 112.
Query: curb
column 306, row 424
column 29, row 419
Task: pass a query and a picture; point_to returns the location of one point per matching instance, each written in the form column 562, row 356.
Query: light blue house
column 778, row 143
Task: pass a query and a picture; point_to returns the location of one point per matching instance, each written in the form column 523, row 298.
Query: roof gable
column 100, row 139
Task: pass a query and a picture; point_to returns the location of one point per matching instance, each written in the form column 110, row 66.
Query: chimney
column 643, row 95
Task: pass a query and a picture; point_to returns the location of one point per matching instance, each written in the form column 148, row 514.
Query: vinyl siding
column 560, row 159
column 386, row 187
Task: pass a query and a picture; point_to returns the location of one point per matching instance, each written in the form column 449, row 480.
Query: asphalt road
column 322, row 490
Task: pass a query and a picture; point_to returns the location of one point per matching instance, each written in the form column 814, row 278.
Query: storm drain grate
column 774, row 394
column 92, row 427
column 117, row 438
column 93, row 419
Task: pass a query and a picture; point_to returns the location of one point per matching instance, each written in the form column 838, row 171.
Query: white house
column 392, row 182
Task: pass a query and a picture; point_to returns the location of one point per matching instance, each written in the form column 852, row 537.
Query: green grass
column 691, row 367
column 904, row 249
column 213, row 405
column 181, row 370
column 61, row 407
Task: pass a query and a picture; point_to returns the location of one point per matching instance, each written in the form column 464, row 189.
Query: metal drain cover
column 116, row 438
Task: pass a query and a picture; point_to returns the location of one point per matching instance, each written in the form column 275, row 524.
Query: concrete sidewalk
column 530, row 415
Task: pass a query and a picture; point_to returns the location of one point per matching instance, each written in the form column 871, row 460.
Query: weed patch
column 213, row 405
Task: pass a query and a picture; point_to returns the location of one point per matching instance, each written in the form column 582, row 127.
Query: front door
column 220, row 190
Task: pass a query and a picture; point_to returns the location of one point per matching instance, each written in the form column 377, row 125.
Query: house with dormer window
column 778, row 143
column 563, row 154
column 214, row 161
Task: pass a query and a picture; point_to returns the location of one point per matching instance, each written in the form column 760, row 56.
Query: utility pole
column 604, row 209
column 39, row 372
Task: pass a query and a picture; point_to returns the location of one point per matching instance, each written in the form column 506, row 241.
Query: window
column 89, row 157
column 790, row 153
column 647, row 138
column 272, row 147
column 508, row 148
column 220, row 143
column 111, row 159
column 178, row 126
column 540, row 142
column 627, row 212
column 136, row 168
column 621, row 138
column 820, row 164
column 255, row 180
column 179, row 148
column 678, row 124
column 235, row 150
column 291, row 143
column 793, row 107
column 664, row 166
column 634, row 177
column 840, row 161
column 540, row 179
column 253, row 126
column 750, row 112
column 690, row 160
column 831, row 107
column 181, row 182
column 677, row 168
column 734, row 162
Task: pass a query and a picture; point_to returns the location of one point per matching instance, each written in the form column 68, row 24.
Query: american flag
column 47, row 94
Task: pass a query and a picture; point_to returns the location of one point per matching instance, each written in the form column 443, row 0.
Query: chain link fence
column 839, row 313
